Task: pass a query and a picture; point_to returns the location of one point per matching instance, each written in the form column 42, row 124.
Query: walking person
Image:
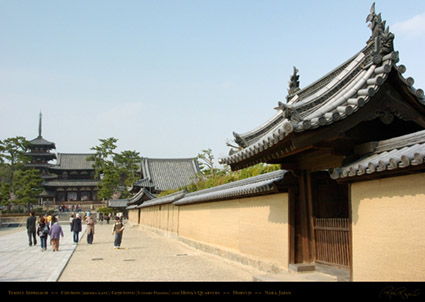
column 31, row 228
column 118, row 230
column 90, row 228
column 55, row 233
column 70, row 222
column 43, row 231
column 76, row 228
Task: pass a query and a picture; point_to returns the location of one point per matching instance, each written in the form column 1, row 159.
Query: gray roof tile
column 392, row 154
column 256, row 185
column 168, row 174
column 73, row 161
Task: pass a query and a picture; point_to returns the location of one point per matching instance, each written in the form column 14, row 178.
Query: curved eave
column 393, row 157
column 58, row 168
column 349, row 99
column 143, row 193
column 258, row 185
column 162, row 200
column 71, row 183
column 40, row 141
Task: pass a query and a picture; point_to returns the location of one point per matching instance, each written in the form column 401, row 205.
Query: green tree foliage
column 207, row 179
column 27, row 187
column 12, row 160
column 116, row 171
column 127, row 163
column 206, row 161
column 104, row 155
column 225, row 176
column 4, row 193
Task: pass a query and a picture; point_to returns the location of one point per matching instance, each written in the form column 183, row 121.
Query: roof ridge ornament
column 294, row 83
column 289, row 112
column 381, row 35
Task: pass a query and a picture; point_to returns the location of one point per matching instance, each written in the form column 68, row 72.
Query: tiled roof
column 392, row 154
column 167, row 174
column 333, row 98
column 117, row 203
column 253, row 186
column 256, row 185
column 163, row 200
column 139, row 197
column 42, row 142
column 71, row 183
column 73, row 161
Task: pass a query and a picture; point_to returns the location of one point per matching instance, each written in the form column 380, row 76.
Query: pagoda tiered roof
column 369, row 85
column 40, row 141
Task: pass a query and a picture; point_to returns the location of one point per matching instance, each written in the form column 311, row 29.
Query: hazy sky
column 169, row 78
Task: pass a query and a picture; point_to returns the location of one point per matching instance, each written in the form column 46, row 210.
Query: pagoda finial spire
column 39, row 125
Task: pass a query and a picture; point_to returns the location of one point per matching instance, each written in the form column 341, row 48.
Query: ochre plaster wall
column 164, row 217
column 388, row 229
column 133, row 216
column 255, row 227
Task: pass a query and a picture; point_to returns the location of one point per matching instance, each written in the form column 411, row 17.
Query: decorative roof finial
column 381, row 36
column 39, row 125
column 294, row 84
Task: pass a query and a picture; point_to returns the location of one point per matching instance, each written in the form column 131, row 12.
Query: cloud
column 412, row 28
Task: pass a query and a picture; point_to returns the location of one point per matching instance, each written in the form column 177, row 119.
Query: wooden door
column 331, row 221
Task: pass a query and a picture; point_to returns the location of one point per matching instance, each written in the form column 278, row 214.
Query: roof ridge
column 169, row 158
column 398, row 142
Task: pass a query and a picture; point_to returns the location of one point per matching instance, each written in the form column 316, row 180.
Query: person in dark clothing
column 31, row 228
column 43, row 231
column 76, row 227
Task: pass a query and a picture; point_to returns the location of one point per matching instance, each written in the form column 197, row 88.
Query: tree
column 115, row 170
column 12, row 159
column 27, row 187
column 104, row 167
column 127, row 163
column 104, row 155
column 4, row 193
column 207, row 163
column 109, row 182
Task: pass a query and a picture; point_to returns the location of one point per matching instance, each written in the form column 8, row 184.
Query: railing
column 332, row 238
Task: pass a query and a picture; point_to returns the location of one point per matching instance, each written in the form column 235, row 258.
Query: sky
column 170, row 78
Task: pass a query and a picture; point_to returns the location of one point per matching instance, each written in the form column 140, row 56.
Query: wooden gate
column 332, row 241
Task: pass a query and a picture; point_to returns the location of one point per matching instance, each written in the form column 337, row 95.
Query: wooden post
column 292, row 192
column 309, row 201
column 304, row 217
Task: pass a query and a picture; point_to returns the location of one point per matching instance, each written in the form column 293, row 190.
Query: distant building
column 74, row 179
column 70, row 179
column 158, row 175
